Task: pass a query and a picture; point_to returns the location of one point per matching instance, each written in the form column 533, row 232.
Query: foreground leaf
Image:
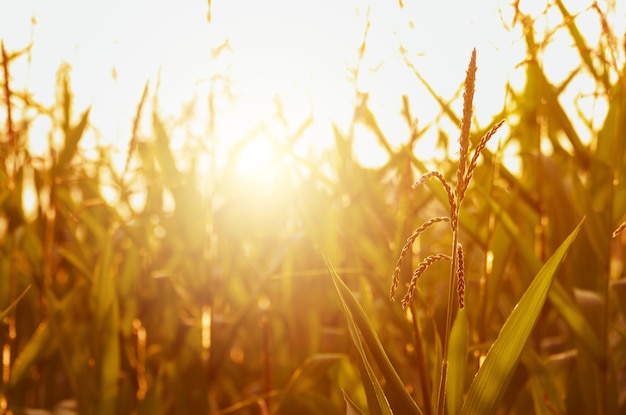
column 376, row 400
column 399, row 399
column 494, row 375
column 558, row 296
column 457, row 363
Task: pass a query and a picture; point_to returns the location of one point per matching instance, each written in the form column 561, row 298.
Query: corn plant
column 172, row 285
column 492, row 379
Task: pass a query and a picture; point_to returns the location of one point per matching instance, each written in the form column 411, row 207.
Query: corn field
column 173, row 286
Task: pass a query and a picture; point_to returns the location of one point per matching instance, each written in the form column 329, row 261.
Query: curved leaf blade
column 376, row 400
column 399, row 399
column 457, row 362
column 493, row 377
column 558, row 296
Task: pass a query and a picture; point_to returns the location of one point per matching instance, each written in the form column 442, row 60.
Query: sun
column 256, row 160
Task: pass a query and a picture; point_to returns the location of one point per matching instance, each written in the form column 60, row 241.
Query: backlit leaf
column 399, row 399
column 457, row 363
column 493, row 377
column 558, row 296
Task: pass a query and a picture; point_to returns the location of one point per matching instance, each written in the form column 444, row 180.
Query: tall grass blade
column 493, row 377
column 399, row 399
column 457, row 363
column 377, row 402
column 558, row 295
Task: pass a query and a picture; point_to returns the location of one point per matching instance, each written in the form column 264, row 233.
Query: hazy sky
column 298, row 51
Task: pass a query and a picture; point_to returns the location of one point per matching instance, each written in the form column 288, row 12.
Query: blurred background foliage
column 173, row 285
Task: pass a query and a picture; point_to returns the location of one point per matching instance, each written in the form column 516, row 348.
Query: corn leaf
column 457, row 363
column 558, row 295
column 399, row 399
column 376, row 400
column 493, row 377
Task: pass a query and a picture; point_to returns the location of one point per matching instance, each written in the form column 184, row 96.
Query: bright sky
column 298, row 51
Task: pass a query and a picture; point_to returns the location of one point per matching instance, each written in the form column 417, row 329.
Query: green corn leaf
column 376, row 400
column 457, row 363
column 558, row 296
column 399, row 399
column 493, row 377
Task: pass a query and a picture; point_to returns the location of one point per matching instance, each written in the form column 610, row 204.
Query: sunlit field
column 242, row 207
